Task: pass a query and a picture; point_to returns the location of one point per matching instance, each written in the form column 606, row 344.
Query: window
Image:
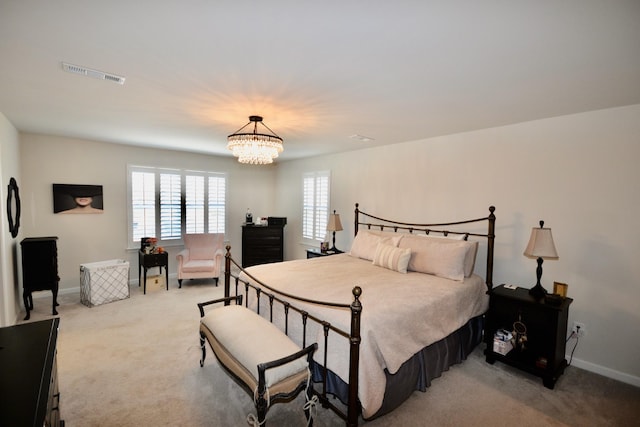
column 167, row 203
column 315, row 205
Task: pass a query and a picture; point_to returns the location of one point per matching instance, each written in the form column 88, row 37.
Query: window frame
column 158, row 171
column 318, row 236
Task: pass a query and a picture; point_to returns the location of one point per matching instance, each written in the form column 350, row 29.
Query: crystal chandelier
column 252, row 147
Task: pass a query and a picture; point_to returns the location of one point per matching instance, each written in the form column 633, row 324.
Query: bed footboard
column 234, row 285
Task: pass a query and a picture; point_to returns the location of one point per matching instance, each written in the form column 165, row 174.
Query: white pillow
column 470, row 256
column 443, row 258
column 365, row 243
column 391, row 257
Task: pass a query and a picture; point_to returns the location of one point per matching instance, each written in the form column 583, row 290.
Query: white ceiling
column 317, row 71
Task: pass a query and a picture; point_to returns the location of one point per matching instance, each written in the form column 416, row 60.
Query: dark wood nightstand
column 543, row 352
column 147, row 261
column 316, row 253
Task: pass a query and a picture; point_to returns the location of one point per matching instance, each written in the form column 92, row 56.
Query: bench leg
column 204, row 349
column 261, row 408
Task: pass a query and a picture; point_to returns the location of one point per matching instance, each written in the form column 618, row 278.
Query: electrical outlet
column 579, row 329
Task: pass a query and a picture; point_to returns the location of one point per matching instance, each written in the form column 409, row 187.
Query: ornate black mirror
column 13, row 207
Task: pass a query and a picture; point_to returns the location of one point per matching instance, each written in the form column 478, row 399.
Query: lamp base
column 538, row 292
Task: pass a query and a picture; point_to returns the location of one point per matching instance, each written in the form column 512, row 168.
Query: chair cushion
column 203, row 246
column 198, row 266
column 252, row 340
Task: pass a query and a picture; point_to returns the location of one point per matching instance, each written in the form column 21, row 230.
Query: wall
column 88, row 238
column 9, row 167
column 579, row 173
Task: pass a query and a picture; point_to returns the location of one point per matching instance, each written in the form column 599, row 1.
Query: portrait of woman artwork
column 77, row 199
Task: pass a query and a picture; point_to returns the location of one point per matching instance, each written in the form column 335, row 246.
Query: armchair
column 201, row 257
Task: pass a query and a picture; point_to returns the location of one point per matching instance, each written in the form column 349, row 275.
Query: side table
column 316, row 253
column 147, row 261
column 542, row 352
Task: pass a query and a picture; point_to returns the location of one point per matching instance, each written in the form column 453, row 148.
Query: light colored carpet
column 135, row 362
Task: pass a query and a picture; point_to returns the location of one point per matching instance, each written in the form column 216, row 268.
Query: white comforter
column 401, row 313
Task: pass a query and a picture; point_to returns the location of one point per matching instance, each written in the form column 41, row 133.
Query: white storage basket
column 104, row 281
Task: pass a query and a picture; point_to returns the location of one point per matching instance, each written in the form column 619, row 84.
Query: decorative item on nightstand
column 333, row 226
column 541, row 247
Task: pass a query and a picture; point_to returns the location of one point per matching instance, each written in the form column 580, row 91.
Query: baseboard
column 605, row 372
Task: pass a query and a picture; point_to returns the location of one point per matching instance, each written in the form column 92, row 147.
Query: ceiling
column 318, row 72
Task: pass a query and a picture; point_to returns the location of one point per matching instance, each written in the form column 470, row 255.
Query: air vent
column 84, row 71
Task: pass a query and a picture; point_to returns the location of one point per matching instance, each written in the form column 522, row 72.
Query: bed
column 389, row 316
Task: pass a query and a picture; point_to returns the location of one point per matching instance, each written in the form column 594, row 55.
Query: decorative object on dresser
column 39, row 270
column 541, row 247
column 262, row 244
column 253, row 147
column 537, row 331
column 201, row 257
column 333, row 226
column 29, row 386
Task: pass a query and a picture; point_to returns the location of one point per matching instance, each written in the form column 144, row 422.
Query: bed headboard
column 371, row 221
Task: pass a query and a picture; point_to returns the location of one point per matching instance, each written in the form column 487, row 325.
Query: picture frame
column 560, row 289
column 77, row 199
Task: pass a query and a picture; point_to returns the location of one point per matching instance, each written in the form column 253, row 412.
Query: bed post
column 490, row 246
column 227, row 274
column 355, row 226
column 354, row 357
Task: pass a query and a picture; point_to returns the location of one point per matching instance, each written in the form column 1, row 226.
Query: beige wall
column 579, row 173
column 9, row 167
column 88, row 238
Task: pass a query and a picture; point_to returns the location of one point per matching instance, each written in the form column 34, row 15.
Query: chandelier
column 252, row 147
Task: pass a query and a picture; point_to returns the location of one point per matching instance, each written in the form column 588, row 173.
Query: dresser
column 39, row 270
column 29, row 386
column 262, row 244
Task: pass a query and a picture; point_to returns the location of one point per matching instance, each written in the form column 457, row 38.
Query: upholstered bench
column 258, row 355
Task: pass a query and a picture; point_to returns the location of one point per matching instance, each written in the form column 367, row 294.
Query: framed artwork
column 560, row 289
column 77, row 199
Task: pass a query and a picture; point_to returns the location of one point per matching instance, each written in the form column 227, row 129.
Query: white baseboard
column 605, row 372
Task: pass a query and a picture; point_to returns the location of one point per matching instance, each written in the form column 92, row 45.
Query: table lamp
column 541, row 247
column 334, row 225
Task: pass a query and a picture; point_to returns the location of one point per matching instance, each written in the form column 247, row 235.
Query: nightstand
column 543, row 351
column 147, row 261
column 316, row 253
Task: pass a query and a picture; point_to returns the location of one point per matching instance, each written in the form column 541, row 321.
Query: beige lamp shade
column 334, row 222
column 541, row 244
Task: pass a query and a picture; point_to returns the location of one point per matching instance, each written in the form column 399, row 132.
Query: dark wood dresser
column 262, row 244
column 29, row 393
column 39, row 270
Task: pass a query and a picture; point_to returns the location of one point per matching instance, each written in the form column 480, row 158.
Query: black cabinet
column 39, row 269
column 542, row 351
column 262, row 244
column 29, row 386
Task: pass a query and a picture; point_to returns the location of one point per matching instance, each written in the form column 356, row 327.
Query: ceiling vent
column 84, row 71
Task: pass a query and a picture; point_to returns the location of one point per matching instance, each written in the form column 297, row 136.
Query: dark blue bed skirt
column 417, row 372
